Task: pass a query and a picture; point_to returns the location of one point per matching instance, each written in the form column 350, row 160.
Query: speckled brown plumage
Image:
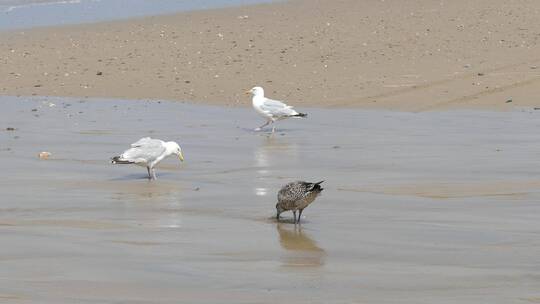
column 297, row 196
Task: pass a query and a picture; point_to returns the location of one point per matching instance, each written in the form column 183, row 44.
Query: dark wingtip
column 301, row 115
column 117, row 160
column 317, row 186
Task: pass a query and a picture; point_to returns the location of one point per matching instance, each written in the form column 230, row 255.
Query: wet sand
column 435, row 207
column 399, row 55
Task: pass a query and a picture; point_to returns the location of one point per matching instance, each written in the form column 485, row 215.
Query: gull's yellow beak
column 181, row 156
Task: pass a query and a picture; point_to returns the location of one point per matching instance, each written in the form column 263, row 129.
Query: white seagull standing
column 148, row 152
column 272, row 110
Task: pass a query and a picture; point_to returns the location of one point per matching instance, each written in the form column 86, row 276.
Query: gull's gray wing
column 146, row 141
column 144, row 150
column 277, row 108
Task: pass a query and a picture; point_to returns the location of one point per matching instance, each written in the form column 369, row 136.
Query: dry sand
column 393, row 54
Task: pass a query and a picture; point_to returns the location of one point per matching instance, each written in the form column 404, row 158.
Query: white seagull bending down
column 272, row 110
column 148, row 152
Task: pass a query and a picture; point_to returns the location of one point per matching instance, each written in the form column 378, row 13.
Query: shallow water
column 16, row 14
column 418, row 207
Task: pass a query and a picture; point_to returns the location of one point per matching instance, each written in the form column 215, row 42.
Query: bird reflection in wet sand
column 301, row 250
column 272, row 153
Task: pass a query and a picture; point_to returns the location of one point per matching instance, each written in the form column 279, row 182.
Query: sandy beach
column 399, row 55
column 422, row 119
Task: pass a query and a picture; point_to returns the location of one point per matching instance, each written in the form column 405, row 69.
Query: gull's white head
column 173, row 148
column 256, row 91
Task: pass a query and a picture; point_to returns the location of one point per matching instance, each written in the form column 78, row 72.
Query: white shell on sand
column 44, row 155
